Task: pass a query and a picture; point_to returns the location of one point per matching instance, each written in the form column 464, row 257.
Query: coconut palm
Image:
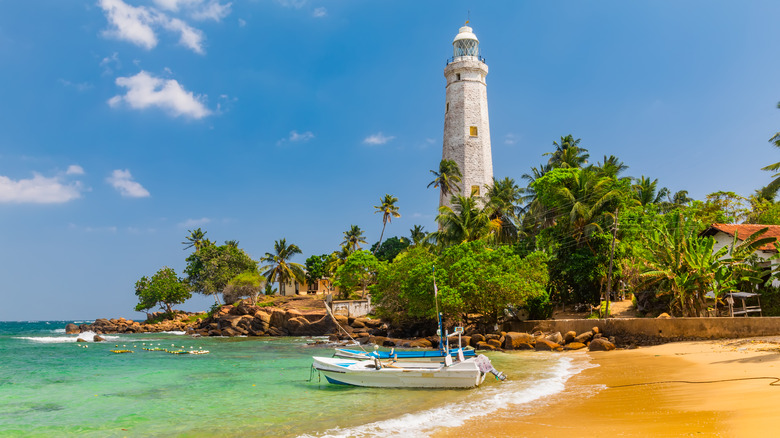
column 353, row 238
column 612, row 167
column 645, row 191
column 588, row 196
column 196, row 239
column 463, row 222
column 389, row 210
column 568, row 154
column 774, row 186
column 279, row 268
column 502, row 198
column 447, row 178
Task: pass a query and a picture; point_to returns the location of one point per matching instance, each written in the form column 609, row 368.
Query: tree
column 568, row 154
column 358, row 270
column 210, row 268
column 246, row 284
column 447, row 178
column 774, row 186
column 463, row 222
column 390, row 248
column 196, row 239
column 418, row 235
column 611, row 167
column 317, row 268
column 646, row 192
column 501, row 207
column 389, row 210
column 164, row 289
column 279, row 268
column 353, row 238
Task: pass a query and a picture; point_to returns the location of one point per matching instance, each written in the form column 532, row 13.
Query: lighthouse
column 466, row 124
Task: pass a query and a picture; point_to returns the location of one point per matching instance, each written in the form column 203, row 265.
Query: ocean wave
column 420, row 424
column 86, row 336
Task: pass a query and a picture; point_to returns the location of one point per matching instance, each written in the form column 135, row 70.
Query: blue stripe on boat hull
column 335, row 382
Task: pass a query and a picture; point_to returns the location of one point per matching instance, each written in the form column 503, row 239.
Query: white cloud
column 510, row 139
column 297, row 4
column 84, row 86
column 296, row 137
column 38, row 190
column 122, row 180
column 320, row 12
column 145, row 90
column 138, row 24
column 74, row 169
column 192, row 223
column 110, row 62
column 241, row 22
column 130, row 23
column 377, row 139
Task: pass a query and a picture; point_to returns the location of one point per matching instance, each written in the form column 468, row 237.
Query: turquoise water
column 52, row 386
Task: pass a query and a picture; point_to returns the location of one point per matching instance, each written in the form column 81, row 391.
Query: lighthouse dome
column 465, row 43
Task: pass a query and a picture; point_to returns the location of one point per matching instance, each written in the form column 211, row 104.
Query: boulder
column 477, row 338
column 574, row 346
column 664, row 316
column 98, row 338
column 278, row 318
column 421, row 343
column 482, row 345
column 490, row 336
column 569, row 336
column 358, row 324
column 584, row 338
column 601, row 344
column 298, row 325
column 495, row 343
column 512, row 340
column 556, row 338
column 71, row 329
column 595, row 330
column 545, row 345
column 81, row 340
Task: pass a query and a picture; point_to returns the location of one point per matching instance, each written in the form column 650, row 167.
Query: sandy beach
column 623, row 395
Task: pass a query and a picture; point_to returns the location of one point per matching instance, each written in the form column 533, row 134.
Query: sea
column 52, row 385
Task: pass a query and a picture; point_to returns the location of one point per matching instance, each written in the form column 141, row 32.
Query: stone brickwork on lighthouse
column 466, row 123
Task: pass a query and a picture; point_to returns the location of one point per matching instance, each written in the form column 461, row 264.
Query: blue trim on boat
column 335, row 382
column 409, row 354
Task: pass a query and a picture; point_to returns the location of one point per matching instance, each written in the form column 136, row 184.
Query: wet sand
column 597, row 401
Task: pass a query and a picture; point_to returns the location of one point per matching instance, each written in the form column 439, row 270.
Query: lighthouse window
column 447, row 108
column 457, row 77
column 473, row 131
column 474, row 190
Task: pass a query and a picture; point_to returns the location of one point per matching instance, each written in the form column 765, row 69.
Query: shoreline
column 621, row 396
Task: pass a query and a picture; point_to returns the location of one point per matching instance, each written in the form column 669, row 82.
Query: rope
column 774, row 382
column 327, row 307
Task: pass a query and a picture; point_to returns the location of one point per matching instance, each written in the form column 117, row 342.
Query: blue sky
column 124, row 123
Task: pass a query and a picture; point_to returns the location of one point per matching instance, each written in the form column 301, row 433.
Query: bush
column 539, row 306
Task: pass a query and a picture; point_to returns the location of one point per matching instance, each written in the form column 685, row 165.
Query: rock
column 263, row 316
column 664, row 316
column 98, row 338
column 512, row 340
column 358, row 324
column 298, row 325
column 492, row 336
column 421, row 343
column 524, row 346
column 545, row 345
column 342, row 320
column 595, row 330
column 482, row 345
column 495, row 342
column 81, row 340
column 476, row 337
column 584, row 338
column 555, row 338
column 601, row 344
column 71, row 329
column 278, row 318
column 574, row 346
column 569, row 336
column 388, row 343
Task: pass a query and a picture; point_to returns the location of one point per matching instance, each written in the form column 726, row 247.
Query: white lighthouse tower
column 466, row 125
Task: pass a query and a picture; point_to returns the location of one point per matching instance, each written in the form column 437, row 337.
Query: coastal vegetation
column 575, row 234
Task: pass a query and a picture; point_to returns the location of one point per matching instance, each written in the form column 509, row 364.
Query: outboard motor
column 485, row 366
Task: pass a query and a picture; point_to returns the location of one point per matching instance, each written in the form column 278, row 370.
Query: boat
column 421, row 355
column 458, row 373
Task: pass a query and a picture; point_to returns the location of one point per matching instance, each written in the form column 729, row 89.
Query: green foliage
column 210, row 268
column 358, row 271
column 404, row 288
column 447, row 178
column 245, row 284
column 389, row 210
column 353, row 238
column 278, row 266
column 317, row 268
column 164, row 289
column 390, row 248
column 539, row 306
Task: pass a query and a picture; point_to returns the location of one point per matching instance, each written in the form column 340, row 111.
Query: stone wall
column 352, row 308
column 663, row 330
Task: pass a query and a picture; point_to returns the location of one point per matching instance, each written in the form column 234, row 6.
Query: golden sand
column 597, row 402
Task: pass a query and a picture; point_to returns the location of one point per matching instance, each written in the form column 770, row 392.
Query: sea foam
column 507, row 394
column 86, row 336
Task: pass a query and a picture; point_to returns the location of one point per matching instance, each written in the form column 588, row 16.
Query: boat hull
column 405, row 374
column 416, row 355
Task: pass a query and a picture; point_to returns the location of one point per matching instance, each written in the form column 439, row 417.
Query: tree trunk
column 381, row 235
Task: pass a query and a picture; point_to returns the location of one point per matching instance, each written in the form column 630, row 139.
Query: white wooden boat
column 464, row 373
column 415, row 355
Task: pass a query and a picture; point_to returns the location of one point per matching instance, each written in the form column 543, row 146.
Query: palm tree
column 463, row 222
column 645, row 191
column 568, row 154
column 389, row 210
column 612, row 166
column 502, row 198
column 447, row 178
column 588, row 196
column 279, row 269
column 196, row 239
column 353, row 238
column 418, row 235
column 774, row 186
